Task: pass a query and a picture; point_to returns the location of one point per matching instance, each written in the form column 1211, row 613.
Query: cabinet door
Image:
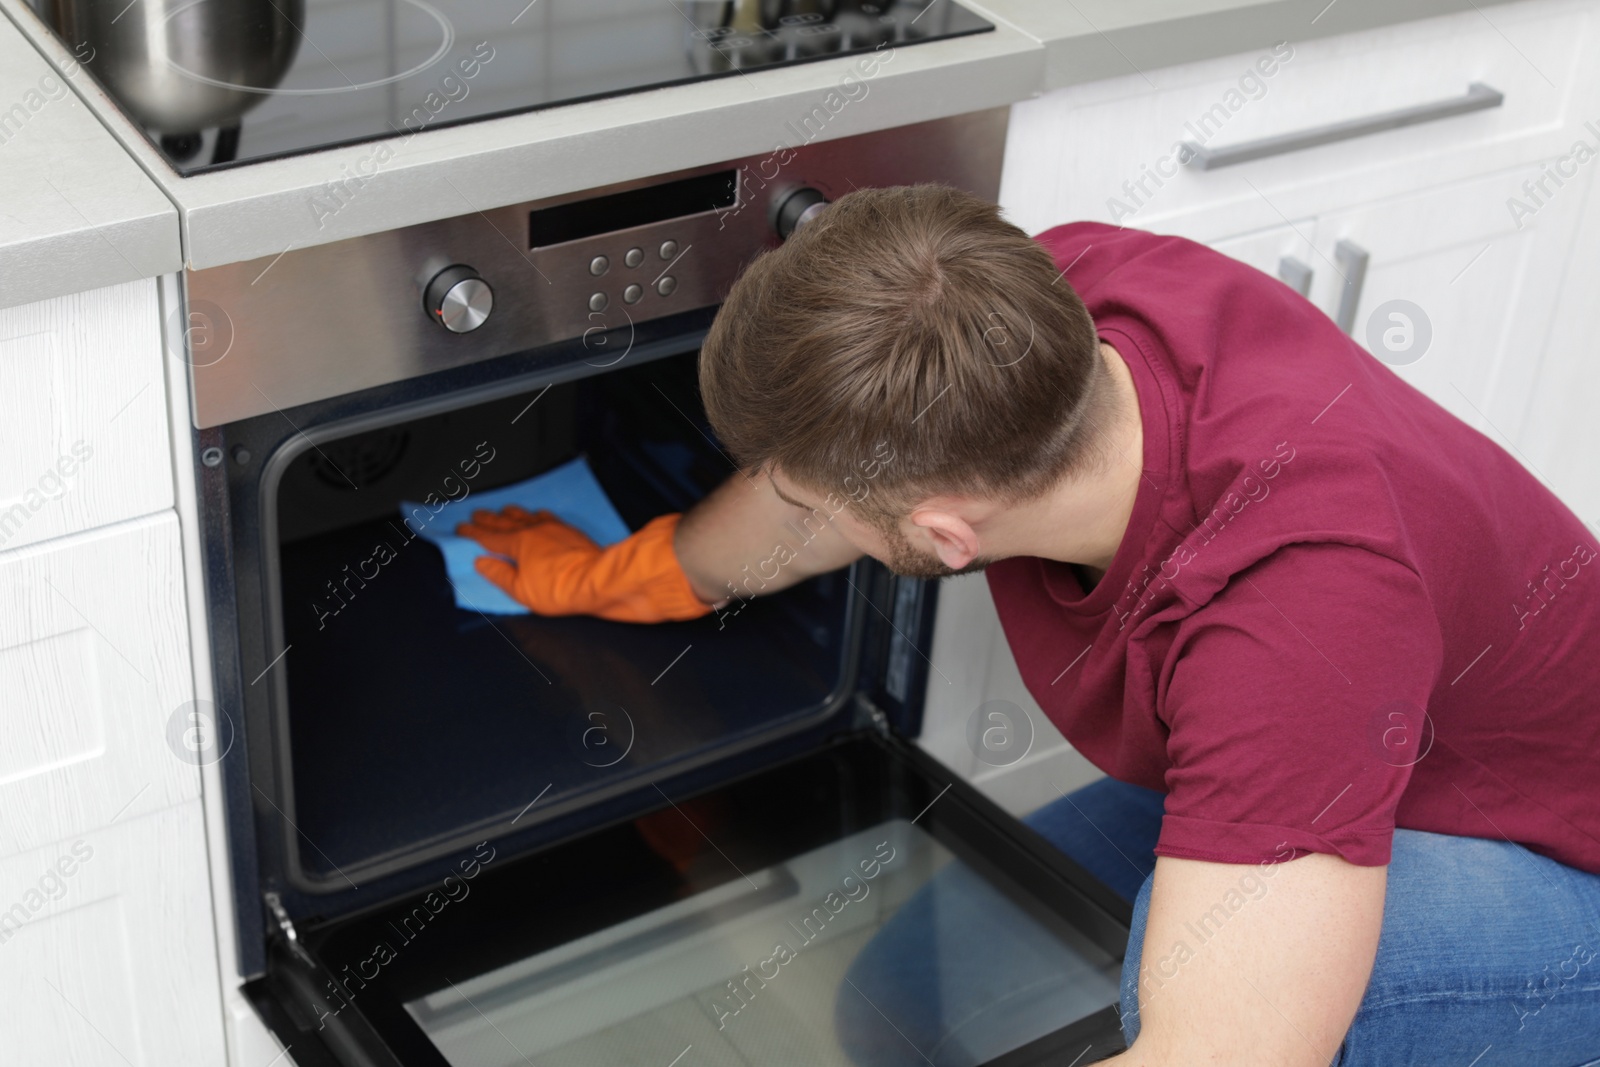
column 1458, row 295
column 84, row 403
column 107, row 956
column 94, row 672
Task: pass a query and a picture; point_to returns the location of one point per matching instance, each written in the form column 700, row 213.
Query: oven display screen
column 636, row 207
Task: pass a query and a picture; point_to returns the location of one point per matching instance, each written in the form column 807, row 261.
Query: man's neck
column 1082, row 520
column 1096, row 509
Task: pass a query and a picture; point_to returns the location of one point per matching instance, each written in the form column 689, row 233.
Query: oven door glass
column 879, row 948
column 853, row 906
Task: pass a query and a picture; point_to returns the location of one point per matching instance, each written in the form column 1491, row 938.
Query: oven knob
column 458, row 299
column 797, row 209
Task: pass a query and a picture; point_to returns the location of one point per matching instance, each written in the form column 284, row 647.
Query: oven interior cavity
column 414, row 725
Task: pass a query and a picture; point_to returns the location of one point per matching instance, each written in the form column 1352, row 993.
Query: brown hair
column 913, row 316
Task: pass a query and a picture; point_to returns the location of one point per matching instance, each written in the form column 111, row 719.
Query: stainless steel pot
column 180, row 66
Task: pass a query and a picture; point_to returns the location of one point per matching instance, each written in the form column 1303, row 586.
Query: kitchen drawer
column 83, row 401
column 109, row 954
column 94, row 665
column 1082, row 151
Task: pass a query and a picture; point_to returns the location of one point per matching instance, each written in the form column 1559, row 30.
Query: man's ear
column 953, row 538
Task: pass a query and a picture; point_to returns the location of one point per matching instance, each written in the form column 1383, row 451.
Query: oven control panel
column 584, row 266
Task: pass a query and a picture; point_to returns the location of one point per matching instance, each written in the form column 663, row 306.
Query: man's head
column 906, row 348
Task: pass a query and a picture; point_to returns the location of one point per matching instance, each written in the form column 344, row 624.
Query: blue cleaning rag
column 569, row 491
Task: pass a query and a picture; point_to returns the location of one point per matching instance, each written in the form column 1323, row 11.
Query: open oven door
column 859, row 904
column 765, row 871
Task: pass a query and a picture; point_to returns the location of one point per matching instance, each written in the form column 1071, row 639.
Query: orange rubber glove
column 558, row 570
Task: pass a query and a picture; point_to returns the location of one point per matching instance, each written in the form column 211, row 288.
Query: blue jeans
column 1489, row 954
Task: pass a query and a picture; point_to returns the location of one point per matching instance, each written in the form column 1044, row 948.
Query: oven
column 469, row 838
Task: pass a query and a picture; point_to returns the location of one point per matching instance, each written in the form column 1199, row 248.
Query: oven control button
column 458, row 299
column 669, row 249
column 797, row 209
column 634, row 257
column 597, row 302
column 631, row 294
column 599, row 265
column 666, row 285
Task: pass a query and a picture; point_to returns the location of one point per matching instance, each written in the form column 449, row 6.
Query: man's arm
column 741, row 540
column 1233, row 973
column 734, row 534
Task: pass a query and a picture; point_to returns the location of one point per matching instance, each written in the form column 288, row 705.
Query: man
column 1348, row 641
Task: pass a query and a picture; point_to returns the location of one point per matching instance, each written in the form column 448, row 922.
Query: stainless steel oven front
column 467, row 838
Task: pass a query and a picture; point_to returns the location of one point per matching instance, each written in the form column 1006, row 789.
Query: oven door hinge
column 869, row 715
column 286, row 928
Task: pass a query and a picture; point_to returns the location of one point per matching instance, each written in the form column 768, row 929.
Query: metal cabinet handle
column 1295, row 274
column 1478, row 97
column 1351, row 260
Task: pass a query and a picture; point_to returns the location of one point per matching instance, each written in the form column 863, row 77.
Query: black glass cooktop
column 218, row 83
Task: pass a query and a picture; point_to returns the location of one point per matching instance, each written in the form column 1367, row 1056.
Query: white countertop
column 76, row 212
column 259, row 211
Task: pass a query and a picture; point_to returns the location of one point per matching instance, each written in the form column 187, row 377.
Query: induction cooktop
column 220, row 83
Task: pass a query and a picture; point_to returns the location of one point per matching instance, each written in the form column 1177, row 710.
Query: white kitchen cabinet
column 1504, row 295
column 94, row 665
column 83, row 403
column 1429, row 204
column 1482, row 287
column 107, row 951
column 1105, row 150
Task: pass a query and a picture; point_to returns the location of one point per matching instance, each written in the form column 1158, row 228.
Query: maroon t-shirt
column 1337, row 608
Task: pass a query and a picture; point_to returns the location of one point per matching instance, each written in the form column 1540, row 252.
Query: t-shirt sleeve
column 1295, row 701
